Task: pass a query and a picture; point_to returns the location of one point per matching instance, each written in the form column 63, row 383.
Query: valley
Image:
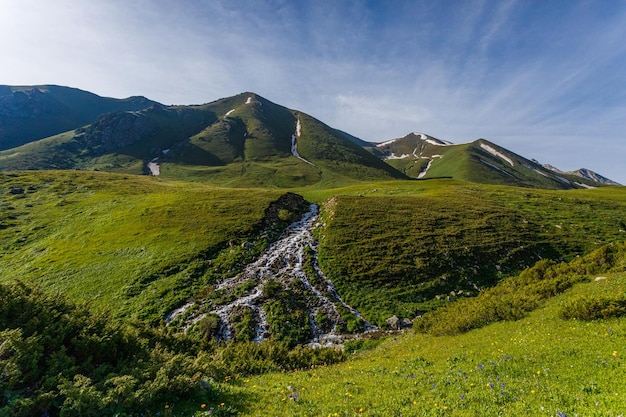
column 242, row 258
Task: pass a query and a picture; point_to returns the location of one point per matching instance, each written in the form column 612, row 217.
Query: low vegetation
column 395, row 249
column 516, row 297
column 58, row 358
column 537, row 364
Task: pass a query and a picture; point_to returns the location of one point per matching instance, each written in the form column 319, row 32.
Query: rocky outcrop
column 113, row 131
column 396, row 323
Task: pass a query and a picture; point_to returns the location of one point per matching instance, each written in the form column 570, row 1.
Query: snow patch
column 423, row 173
column 394, row 156
column 294, row 143
column 165, row 151
column 232, row 110
column 580, row 184
column 249, row 100
column 154, row 167
column 438, row 143
column 564, row 180
column 389, row 142
column 496, row 153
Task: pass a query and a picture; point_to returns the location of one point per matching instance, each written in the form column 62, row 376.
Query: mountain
column 243, row 140
column 421, row 156
column 29, row 113
column 584, row 173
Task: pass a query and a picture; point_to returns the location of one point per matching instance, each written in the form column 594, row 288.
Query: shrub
column 594, row 307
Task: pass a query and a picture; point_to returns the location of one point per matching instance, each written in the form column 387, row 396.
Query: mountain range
column 244, row 140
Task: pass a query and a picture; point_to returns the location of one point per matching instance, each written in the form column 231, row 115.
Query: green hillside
column 134, row 245
column 389, row 247
column 241, row 141
column 546, row 362
column 422, row 156
column 400, row 249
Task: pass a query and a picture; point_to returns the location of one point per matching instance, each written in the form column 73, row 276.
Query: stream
column 283, row 262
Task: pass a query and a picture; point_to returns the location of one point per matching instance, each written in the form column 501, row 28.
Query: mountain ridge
column 422, row 156
column 29, row 113
column 243, row 140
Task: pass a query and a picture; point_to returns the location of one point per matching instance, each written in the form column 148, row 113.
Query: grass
column 92, row 235
column 415, row 244
column 137, row 246
column 124, row 242
column 539, row 365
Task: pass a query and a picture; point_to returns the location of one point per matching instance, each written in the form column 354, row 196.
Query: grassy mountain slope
column 132, row 244
column 390, row 247
column 481, row 161
column 29, row 113
column 543, row 364
column 239, row 141
column 400, row 249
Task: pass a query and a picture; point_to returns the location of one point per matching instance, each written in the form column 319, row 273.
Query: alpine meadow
column 240, row 258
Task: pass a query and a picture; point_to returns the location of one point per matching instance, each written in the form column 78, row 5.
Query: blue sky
column 545, row 79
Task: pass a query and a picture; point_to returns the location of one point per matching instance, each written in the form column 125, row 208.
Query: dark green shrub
column 594, row 307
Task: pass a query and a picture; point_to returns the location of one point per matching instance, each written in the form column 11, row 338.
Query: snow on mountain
column 496, row 153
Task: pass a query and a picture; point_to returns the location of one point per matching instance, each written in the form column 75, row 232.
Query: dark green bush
column 595, row 307
column 513, row 298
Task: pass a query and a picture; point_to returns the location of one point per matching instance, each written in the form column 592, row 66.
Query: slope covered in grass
column 396, row 249
column 539, row 365
column 239, row 141
column 135, row 245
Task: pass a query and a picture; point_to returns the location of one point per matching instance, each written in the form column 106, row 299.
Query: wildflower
column 221, row 404
column 558, row 413
column 490, row 384
column 167, row 406
column 538, row 372
column 202, row 405
column 462, row 396
column 532, row 391
column 615, row 354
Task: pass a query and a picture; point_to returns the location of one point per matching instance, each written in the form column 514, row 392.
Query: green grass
column 539, row 365
column 91, row 235
column 414, row 244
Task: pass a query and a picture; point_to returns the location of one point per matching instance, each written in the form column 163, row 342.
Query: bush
column 594, row 307
column 513, row 298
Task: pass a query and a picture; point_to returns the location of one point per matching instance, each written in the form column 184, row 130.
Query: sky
column 545, row 79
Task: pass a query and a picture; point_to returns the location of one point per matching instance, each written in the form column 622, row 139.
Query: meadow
column 512, row 322
column 541, row 364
